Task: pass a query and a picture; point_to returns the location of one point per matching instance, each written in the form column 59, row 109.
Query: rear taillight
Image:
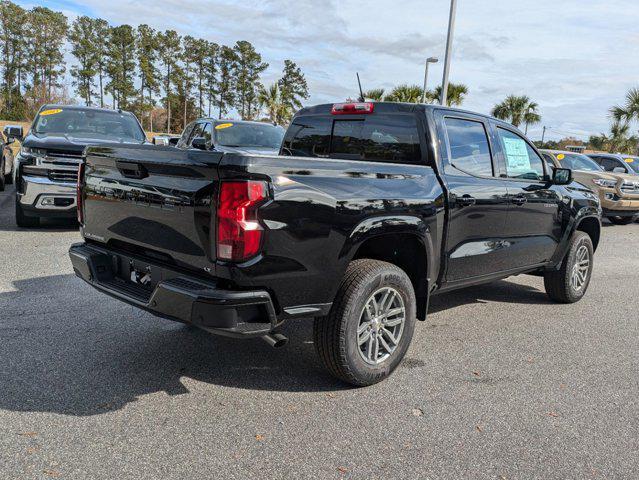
column 78, row 201
column 353, row 108
column 239, row 233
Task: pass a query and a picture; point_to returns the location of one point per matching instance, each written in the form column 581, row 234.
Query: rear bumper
column 40, row 196
column 176, row 296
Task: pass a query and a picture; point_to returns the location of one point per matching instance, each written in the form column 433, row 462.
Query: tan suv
column 618, row 192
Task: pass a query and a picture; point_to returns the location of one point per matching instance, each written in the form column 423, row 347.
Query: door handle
column 466, row 201
column 519, row 200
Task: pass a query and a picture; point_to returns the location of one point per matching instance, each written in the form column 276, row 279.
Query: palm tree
column 617, row 141
column 271, row 100
column 531, row 117
column 405, row 94
column 630, row 110
column 517, row 110
column 376, row 95
column 455, row 97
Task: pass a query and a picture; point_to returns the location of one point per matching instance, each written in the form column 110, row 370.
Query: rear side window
column 384, row 138
column 469, row 150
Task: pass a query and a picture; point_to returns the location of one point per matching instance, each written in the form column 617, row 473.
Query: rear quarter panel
column 321, row 211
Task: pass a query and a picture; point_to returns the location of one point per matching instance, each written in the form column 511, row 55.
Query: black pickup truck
column 369, row 209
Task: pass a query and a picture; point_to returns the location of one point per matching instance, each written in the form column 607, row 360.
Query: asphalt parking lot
column 499, row 383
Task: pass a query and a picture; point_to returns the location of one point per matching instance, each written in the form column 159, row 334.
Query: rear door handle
column 519, row 200
column 466, row 201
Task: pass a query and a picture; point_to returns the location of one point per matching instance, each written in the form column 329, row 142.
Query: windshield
column 576, row 161
column 88, row 124
column 632, row 162
column 248, row 135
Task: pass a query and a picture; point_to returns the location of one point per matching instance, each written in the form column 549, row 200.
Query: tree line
column 166, row 79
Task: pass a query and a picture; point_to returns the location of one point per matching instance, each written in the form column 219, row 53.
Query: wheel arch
column 590, row 225
column 412, row 250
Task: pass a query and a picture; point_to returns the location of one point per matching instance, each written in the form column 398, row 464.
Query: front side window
column 469, row 149
column 521, row 159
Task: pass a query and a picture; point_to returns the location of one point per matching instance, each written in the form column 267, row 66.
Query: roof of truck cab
column 389, row 107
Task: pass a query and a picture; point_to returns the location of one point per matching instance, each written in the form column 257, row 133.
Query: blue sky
column 576, row 58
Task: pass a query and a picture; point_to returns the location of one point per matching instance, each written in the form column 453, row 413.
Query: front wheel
column 24, row 221
column 622, row 220
column 570, row 282
column 370, row 326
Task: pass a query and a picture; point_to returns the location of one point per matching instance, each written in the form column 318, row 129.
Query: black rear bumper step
column 175, row 296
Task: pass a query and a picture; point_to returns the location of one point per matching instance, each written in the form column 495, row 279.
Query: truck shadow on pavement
column 69, row 350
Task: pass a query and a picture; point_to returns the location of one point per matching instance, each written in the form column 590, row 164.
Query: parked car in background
column 7, row 137
column 228, row 136
column 165, row 140
column 46, row 169
column 370, row 209
column 618, row 192
column 617, row 163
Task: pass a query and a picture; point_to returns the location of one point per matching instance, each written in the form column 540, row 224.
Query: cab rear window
column 383, row 138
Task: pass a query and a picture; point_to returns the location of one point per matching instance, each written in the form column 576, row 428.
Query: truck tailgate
column 153, row 201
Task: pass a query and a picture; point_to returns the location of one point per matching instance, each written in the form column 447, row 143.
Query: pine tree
column 293, row 86
column 168, row 48
column 211, row 64
column 249, row 68
column 46, row 35
column 121, row 65
column 227, row 68
column 146, row 54
column 83, row 46
column 102, row 29
column 13, row 19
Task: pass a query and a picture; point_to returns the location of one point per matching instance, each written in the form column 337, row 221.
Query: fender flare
column 387, row 225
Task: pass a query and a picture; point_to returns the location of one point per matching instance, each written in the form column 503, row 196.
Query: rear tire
column 622, row 220
column 370, row 326
column 22, row 220
column 570, row 283
column 3, row 177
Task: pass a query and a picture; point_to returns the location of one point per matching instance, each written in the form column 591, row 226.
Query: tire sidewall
column 383, row 277
column 572, row 257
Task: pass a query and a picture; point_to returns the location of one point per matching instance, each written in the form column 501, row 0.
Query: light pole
column 428, row 60
column 449, row 47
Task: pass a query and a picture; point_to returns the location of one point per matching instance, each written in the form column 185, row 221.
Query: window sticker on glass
column 52, row 111
column 517, row 160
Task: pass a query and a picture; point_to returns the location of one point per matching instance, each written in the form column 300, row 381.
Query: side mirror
column 174, row 140
column 199, row 143
column 13, row 132
column 562, row 176
column 619, row 170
